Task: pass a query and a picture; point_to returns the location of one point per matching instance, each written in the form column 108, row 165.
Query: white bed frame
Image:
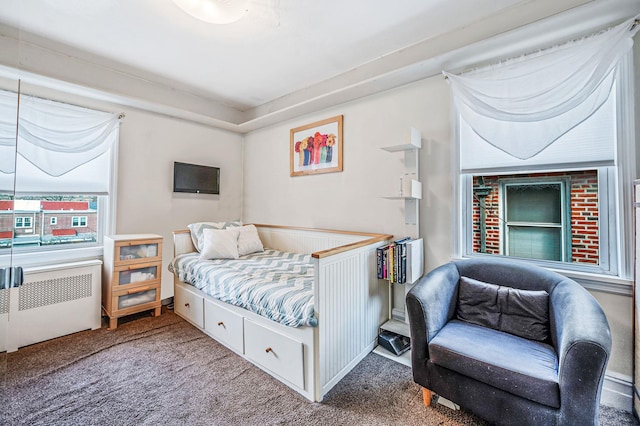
column 350, row 304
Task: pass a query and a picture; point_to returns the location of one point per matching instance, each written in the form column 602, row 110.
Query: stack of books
column 401, row 261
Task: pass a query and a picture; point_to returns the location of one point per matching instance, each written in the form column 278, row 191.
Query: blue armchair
column 513, row 343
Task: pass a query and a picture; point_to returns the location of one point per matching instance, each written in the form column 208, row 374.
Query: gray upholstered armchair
column 511, row 342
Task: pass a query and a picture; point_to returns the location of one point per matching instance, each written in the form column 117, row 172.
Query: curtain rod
column 635, row 23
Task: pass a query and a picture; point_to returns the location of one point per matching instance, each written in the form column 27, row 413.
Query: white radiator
column 53, row 301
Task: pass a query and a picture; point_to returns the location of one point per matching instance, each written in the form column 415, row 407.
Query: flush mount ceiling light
column 215, row 11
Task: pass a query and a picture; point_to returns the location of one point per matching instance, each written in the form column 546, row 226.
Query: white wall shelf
column 411, row 192
column 414, row 142
column 410, row 185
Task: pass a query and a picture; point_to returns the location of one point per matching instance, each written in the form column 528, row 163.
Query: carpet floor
column 161, row 370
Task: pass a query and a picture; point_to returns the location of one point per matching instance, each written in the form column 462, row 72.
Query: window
column 23, row 222
column 61, row 170
column 560, row 202
column 79, row 221
column 534, row 226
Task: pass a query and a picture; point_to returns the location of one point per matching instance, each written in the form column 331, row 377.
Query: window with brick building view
column 543, row 169
column 548, row 216
column 48, row 221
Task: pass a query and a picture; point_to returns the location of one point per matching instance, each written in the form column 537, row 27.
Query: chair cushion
column 524, row 313
column 525, row 368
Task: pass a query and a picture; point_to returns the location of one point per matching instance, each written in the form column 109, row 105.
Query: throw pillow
column 220, row 243
column 197, row 228
column 478, row 303
column 523, row 313
column 249, row 240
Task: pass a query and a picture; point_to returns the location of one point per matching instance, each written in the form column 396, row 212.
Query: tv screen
column 195, row 178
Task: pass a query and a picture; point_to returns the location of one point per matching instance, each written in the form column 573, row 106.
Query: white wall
column 352, row 199
column 149, row 144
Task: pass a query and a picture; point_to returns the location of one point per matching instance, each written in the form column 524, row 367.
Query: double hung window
column 545, row 152
column 57, row 175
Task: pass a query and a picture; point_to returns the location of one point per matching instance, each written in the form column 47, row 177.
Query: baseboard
column 617, row 391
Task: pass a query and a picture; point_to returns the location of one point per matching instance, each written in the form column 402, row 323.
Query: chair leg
column 426, row 396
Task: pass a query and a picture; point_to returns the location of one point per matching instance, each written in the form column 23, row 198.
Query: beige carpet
column 153, row 371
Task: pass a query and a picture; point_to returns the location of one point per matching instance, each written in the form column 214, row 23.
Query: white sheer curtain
column 60, row 147
column 523, row 105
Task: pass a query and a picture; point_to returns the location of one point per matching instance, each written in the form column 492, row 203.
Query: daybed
column 346, row 308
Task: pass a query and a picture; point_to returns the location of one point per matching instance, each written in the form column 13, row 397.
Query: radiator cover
column 54, row 301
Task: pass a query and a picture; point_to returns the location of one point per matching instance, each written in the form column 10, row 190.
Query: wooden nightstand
column 131, row 276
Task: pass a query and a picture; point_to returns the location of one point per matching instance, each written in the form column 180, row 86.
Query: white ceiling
column 283, row 53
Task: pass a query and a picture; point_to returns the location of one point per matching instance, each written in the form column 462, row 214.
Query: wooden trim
column 352, row 246
column 373, row 238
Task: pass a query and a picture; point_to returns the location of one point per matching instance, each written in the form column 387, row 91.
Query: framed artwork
column 316, row 147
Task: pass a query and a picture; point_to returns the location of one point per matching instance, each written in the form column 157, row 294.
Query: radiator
column 53, row 301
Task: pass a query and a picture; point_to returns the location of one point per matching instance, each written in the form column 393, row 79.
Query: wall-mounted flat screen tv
column 195, row 178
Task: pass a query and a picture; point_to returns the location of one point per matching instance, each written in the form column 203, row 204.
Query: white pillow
column 220, row 243
column 197, row 228
column 248, row 240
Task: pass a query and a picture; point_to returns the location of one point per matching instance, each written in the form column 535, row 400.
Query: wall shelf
column 410, row 185
column 411, row 193
column 414, row 142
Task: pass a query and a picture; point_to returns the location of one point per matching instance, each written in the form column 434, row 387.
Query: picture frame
column 317, row 147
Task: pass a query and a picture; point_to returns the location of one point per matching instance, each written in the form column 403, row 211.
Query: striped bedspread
column 273, row 284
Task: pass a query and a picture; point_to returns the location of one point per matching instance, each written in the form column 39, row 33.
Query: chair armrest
column 430, row 304
column 581, row 335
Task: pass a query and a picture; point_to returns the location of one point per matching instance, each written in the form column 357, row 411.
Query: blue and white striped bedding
column 273, row 284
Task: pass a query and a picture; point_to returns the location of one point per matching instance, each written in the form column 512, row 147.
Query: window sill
column 591, row 281
column 39, row 258
column 599, row 282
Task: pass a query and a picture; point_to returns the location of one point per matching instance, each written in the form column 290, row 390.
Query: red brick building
column 550, row 216
column 38, row 222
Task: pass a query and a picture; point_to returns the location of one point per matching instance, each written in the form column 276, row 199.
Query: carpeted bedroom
column 162, row 370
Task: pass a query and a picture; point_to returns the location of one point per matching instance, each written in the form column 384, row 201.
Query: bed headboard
column 182, row 242
column 317, row 242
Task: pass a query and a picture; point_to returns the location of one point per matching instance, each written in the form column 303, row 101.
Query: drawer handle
column 186, row 305
column 221, row 324
column 138, row 290
column 268, row 350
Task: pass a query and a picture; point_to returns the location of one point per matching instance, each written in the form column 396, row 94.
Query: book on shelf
column 401, row 261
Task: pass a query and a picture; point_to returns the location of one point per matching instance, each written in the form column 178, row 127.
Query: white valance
column 60, row 147
column 523, row 105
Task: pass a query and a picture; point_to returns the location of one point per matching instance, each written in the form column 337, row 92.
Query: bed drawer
column 189, row 305
column 224, row 325
column 276, row 352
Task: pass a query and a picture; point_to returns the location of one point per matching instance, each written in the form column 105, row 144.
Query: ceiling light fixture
column 215, row 11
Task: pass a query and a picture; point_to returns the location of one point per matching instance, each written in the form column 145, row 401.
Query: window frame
column 106, row 224
column 565, row 217
column 23, row 220
column 615, row 202
column 79, row 220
